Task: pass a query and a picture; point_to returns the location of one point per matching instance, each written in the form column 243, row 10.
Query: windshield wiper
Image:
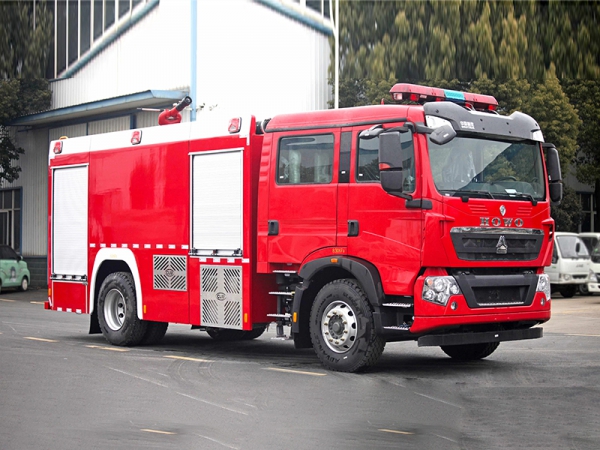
column 465, row 194
column 529, row 197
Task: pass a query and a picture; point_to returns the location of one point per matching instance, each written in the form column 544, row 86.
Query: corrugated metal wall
column 153, row 54
column 108, row 125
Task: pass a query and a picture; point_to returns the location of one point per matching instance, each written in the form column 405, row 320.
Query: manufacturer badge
column 502, row 210
column 501, row 247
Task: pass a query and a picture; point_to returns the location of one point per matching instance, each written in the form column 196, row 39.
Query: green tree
column 585, row 96
column 24, row 52
column 568, row 215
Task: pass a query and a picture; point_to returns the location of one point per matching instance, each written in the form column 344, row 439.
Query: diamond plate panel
column 221, row 296
column 170, row 273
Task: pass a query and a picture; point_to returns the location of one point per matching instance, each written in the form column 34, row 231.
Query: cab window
column 368, row 161
column 305, row 159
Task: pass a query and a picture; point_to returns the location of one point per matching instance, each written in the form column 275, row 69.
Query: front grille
column 487, row 291
column 499, row 296
column 496, row 244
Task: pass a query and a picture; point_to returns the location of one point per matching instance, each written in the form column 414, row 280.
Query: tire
column 117, row 311
column 225, row 334
column 583, row 289
column 568, row 291
column 24, row 284
column 155, row 331
column 470, row 352
column 342, row 329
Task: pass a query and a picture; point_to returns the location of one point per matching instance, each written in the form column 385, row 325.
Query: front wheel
column 24, row 284
column 470, row 352
column 568, row 291
column 342, row 329
column 117, row 311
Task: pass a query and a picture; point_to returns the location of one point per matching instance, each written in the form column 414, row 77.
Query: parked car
column 13, row 270
column 570, row 266
column 592, row 242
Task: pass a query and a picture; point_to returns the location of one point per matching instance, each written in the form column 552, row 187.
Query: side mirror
column 443, row 135
column 552, row 163
column 556, row 192
column 390, row 151
column 390, row 163
column 554, row 173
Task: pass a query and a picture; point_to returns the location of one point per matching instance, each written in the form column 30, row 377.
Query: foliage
column 24, row 52
column 568, row 215
column 468, row 40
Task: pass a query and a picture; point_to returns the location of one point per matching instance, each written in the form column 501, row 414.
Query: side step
column 282, row 318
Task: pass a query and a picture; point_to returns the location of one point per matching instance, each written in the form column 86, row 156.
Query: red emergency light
column 424, row 94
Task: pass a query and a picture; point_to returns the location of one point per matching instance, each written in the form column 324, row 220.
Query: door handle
column 273, row 228
column 353, row 228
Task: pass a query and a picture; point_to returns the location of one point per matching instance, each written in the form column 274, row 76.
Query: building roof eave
column 106, row 107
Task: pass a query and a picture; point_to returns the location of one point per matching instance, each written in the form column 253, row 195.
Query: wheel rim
column 24, row 284
column 114, row 309
column 338, row 327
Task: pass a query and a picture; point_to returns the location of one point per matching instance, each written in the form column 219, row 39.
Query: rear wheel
column 24, row 284
column 342, row 329
column 470, row 352
column 117, row 311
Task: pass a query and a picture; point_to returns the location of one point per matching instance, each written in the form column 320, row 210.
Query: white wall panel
column 250, row 60
column 258, row 61
column 34, row 182
column 153, row 54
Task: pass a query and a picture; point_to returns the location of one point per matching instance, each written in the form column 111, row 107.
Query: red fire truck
column 427, row 221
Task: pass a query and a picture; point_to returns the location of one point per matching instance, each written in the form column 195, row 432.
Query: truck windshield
column 572, row 247
column 472, row 166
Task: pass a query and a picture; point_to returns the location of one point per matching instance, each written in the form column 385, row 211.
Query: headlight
column 439, row 289
column 593, row 278
column 566, row 276
column 543, row 285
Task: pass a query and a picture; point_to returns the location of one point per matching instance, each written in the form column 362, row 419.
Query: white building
column 111, row 58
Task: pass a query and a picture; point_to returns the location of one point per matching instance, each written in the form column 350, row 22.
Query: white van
column 571, row 264
column 592, row 242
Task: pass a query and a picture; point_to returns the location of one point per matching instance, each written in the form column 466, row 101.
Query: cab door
column 384, row 229
column 302, row 210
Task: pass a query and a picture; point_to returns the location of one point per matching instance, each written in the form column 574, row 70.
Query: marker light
column 423, row 94
column 235, row 125
column 57, row 147
column 136, row 137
